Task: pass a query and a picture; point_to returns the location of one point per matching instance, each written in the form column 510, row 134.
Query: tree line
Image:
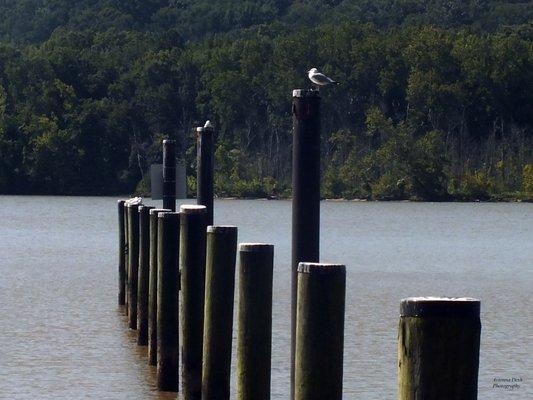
column 435, row 102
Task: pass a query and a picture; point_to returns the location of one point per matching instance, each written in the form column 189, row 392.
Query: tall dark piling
column 133, row 263
column 320, row 331
column 152, row 287
column 438, row 348
column 205, row 142
column 143, row 275
column 169, row 174
column 167, row 302
column 218, row 323
column 254, row 336
column 121, row 255
column 126, row 259
column 305, row 192
column 192, row 267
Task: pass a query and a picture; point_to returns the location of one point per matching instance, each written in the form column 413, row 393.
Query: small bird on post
column 208, row 124
column 319, row 79
column 134, row 201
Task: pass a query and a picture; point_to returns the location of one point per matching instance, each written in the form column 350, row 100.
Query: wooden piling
column 152, row 287
column 192, row 268
column 254, row 337
column 121, row 255
column 320, row 331
column 143, row 276
column 305, row 193
column 218, row 322
column 167, row 302
column 438, row 348
column 126, row 259
column 205, row 169
column 169, row 174
column 133, row 263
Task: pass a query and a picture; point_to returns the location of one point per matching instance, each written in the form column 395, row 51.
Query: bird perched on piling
column 319, row 79
column 134, row 201
column 208, row 124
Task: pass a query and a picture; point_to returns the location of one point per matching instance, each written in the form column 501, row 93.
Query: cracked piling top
column 221, row 229
column 170, row 214
column 321, row 268
column 256, row 247
column 159, row 210
column 451, row 307
column 305, row 93
column 193, row 209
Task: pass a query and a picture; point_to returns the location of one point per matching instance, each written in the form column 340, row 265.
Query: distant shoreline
column 504, row 199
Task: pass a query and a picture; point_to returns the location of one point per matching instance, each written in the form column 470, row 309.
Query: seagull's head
column 312, row 70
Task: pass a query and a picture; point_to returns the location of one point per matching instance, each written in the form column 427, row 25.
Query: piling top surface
column 451, row 307
column 321, row 268
column 169, row 141
column 129, row 205
column 121, row 201
column 169, row 214
column 193, row 209
column 205, row 129
column 159, row 210
column 222, row 229
column 143, row 208
column 257, row 247
column 305, row 93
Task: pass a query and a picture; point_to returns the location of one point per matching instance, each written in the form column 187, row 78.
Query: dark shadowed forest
column 436, row 100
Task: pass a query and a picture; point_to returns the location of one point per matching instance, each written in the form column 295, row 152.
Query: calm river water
column 62, row 335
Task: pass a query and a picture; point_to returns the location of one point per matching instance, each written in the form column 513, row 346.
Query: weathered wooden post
column 121, row 255
column 133, row 263
column 218, row 323
column 305, row 192
column 205, row 143
column 169, row 174
column 320, row 331
column 167, row 302
column 142, row 287
column 152, row 287
column 438, row 348
column 126, row 259
column 254, row 337
column 192, row 268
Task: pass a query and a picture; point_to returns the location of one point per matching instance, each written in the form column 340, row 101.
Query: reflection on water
column 62, row 335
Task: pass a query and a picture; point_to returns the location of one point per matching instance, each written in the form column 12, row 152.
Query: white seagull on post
column 319, row 78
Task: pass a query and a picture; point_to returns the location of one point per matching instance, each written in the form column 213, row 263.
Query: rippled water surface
column 62, row 335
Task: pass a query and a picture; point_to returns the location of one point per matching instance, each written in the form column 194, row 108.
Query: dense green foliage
column 435, row 101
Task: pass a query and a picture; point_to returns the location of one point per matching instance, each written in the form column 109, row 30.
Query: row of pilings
column 177, row 275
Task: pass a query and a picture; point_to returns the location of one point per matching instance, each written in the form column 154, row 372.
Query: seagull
column 208, row 124
column 319, row 78
column 135, row 201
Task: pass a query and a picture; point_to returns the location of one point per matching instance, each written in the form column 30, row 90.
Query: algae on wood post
column 319, row 331
column 167, row 302
column 133, row 263
column 121, row 254
column 254, row 336
column 438, row 348
column 192, row 268
column 218, row 315
column 152, row 287
column 142, row 287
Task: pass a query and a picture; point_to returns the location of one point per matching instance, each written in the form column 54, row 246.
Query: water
column 63, row 336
